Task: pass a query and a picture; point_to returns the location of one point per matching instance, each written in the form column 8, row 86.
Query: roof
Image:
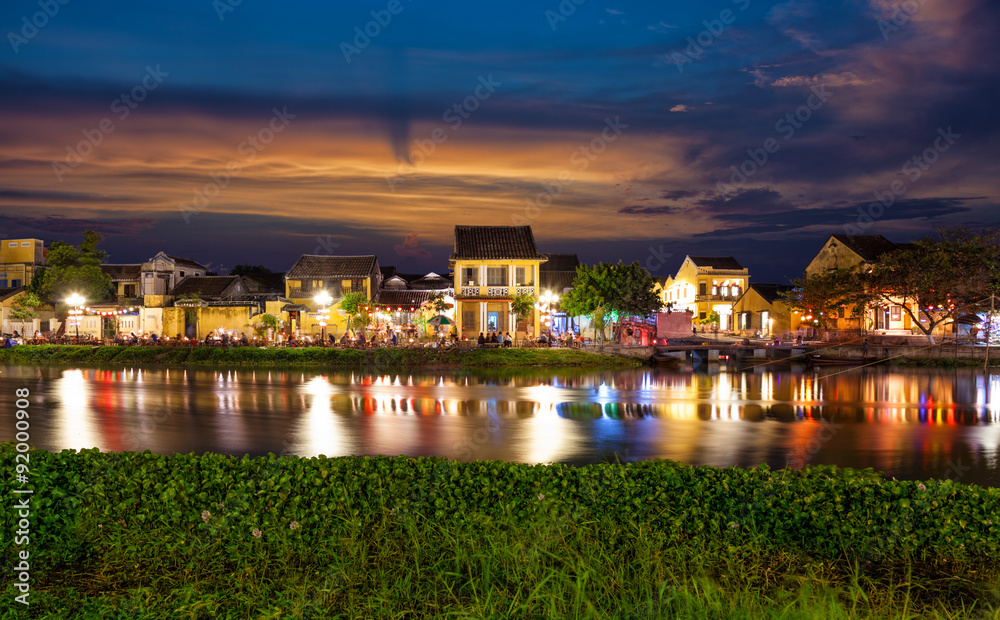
column 265, row 283
column 387, row 272
column 123, row 273
column 205, row 286
column 560, row 262
column 322, row 266
column 495, row 243
column 556, row 281
column 180, row 261
column 405, row 299
column 716, row 262
column 770, row 292
column 10, row 291
column 868, row 247
column 431, row 282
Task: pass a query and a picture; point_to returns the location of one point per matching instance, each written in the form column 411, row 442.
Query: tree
column 523, row 307
column 437, row 303
column 22, row 308
column 712, row 318
column 356, row 305
column 614, row 290
column 935, row 280
column 821, row 296
column 73, row 270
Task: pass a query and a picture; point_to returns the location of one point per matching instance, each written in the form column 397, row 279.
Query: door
column 492, row 321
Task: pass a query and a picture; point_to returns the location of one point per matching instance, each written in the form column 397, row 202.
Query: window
column 470, row 276
column 492, row 321
column 524, row 276
column 294, row 284
column 12, row 244
column 701, row 315
column 470, row 312
column 3, row 283
column 25, row 244
column 317, row 284
column 182, row 274
column 496, row 276
column 702, row 288
column 15, row 283
column 129, row 290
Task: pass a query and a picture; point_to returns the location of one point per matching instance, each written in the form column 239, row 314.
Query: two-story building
column 705, row 284
column 491, row 265
column 336, row 276
column 859, row 252
column 761, row 309
column 19, row 260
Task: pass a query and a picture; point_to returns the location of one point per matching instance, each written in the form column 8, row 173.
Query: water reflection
column 909, row 423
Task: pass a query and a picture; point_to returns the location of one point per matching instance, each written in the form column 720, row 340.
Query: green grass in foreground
column 310, row 356
column 121, row 535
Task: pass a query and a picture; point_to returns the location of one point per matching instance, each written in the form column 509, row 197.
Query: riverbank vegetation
column 312, row 357
column 186, row 536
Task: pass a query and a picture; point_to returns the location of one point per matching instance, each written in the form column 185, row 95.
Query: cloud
column 615, row 12
column 409, row 247
column 680, row 107
column 661, row 27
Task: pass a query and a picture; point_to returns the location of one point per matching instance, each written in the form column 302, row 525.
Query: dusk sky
column 641, row 109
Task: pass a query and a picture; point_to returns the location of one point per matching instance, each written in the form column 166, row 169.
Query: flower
column 540, row 497
column 256, row 533
column 294, row 525
column 734, row 525
column 205, row 515
column 922, row 486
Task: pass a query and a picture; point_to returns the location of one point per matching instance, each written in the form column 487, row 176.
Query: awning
column 294, row 308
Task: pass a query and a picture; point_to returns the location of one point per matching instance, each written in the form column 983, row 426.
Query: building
column 127, row 280
column 204, row 304
column 401, row 295
column 491, row 265
column 335, row 276
column 760, row 309
column 556, row 275
column 705, row 284
column 19, row 260
column 859, row 252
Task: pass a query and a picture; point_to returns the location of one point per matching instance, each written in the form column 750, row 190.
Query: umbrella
column 439, row 320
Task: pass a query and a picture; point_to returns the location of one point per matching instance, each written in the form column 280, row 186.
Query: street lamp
column 77, row 301
column 323, row 299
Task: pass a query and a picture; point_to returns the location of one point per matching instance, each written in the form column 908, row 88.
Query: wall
column 673, row 325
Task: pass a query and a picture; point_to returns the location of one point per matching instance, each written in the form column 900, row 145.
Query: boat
column 820, row 360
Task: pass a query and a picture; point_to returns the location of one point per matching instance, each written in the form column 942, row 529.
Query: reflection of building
column 760, row 308
column 705, row 284
column 492, row 264
column 557, row 275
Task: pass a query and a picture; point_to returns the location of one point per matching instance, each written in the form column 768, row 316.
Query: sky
column 239, row 131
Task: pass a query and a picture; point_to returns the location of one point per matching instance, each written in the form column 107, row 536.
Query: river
column 909, row 424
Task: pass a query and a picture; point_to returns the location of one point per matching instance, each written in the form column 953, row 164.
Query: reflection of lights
column 77, row 423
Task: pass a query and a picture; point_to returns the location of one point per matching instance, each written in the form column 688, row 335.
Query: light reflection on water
column 908, row 423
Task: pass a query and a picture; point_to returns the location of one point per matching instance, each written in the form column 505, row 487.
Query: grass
column 311, row 357
column 120, row 535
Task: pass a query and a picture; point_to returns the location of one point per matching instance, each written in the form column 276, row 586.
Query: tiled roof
column 180, row 261
column 265, row 283
column 868, row 247
column 495, row 243
column 431, row 282
column 122, row 273
column 556, row 281
column 770, row 292
column 10, row 291
column 560, row 262
column 716, row 262
column 205, row 286
column 404, row 299
column 315, row 266
column 387, row 272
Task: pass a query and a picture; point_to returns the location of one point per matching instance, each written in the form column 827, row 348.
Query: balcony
column 723, row 298
column 486, row 291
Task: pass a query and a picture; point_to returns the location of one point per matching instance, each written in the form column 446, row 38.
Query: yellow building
column 761, row 309
column 336, row 276
column 19, row 259
column 705, row 284
column 859, row 252
column 492, row 264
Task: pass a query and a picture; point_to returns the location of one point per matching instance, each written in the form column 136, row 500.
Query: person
column 333, row 339
column 569, row 339
column 16, row 335
column 694, row 331
column 507, row 340
column 361, row 339
column 493, row 338
column 864, row 347
column 243, row 338
column 344, row 340
column 482, row 340
column 798, row 339
column 154, row 338
column 395, row 339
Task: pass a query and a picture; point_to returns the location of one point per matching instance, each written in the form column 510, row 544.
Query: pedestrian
column 864, row 347
column 481, row 340
column 507, row 340
column 493, row 338
column 361, row 339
